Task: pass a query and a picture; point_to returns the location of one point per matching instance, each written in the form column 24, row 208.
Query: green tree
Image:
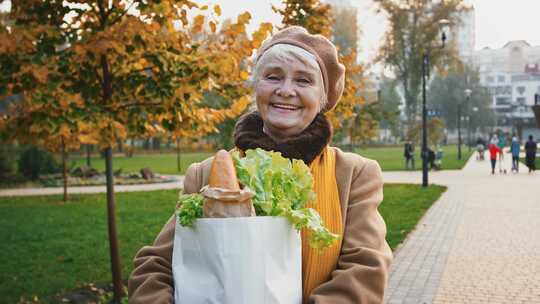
column 414, row 31
column 345, row 28
column 435, row 131
column 313, row 15
column 449, row 91
column 390, row 101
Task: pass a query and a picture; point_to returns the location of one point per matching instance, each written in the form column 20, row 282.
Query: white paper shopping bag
column 243, row 260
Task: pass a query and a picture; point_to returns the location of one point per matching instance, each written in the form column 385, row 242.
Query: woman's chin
column 283, row 124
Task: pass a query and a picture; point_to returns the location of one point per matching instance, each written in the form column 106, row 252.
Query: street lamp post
column 443, row 23
column 471, row 131
column 468, row 121
column 468, row 96
column 459, row 131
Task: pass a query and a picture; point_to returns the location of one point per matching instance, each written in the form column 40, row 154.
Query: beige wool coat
column 362, row 269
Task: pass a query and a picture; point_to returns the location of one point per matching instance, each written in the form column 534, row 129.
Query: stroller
column 480, row 149
column 434, row 159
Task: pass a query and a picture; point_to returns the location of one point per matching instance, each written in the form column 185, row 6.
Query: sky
column 497, row 21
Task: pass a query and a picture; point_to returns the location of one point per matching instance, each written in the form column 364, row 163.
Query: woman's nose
column 286, row 88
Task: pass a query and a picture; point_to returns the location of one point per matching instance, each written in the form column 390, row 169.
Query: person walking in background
column 493, row 150
column 514, row 149
column 494, row 139
column 408, row 152
column 480, row 147
column 530, row 154
column 501, row 144
column 438, row 158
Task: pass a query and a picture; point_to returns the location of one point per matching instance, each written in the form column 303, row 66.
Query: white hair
column 287, row 53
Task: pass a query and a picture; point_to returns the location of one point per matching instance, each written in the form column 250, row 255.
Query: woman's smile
column 285, row 108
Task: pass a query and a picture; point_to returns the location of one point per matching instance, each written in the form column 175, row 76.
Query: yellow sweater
column 318, row 264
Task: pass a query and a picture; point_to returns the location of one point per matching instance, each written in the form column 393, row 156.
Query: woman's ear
column 322, row 103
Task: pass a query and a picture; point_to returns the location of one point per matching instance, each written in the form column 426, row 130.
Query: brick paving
column 479, row 243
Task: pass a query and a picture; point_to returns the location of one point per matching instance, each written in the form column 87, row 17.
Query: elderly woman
column 297, row 79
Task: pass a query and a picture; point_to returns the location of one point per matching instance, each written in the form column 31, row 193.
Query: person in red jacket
column 493, row 150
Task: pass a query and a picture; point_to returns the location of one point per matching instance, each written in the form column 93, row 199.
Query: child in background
column 501, row 144
column 493, row 150
column 514, row 149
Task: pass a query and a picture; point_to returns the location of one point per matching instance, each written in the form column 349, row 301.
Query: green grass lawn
column 391, row 158
column 49, row 247
column 160, row 163
column 403, row 206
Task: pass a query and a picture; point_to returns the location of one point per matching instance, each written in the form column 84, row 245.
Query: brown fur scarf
column 306, row 146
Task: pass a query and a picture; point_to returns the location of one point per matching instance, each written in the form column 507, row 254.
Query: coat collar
column 306, row 146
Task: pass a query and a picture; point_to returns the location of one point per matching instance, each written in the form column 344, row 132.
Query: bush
column 34, row 161
column 8, row 157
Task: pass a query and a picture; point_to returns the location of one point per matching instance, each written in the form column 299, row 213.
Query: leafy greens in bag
column 282, row 188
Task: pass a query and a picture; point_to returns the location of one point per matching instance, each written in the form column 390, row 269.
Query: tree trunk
column 113, row 236
column 156, row 143
column 178, row 154
column 120, row 146
column 64, row 169
column 111, row 212
column 146, row 144
column 88, row 156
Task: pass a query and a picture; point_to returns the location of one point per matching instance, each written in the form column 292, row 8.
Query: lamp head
column 444, row 24
column 468, row 92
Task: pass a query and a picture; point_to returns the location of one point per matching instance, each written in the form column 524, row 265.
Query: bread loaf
column 224, row 198
column 222, row 172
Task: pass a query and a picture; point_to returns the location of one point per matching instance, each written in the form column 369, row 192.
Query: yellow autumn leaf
column 87, row 139
column 64, row 131
column 244, row 75
column 240, row 105
column 183, row 17
column 198, row 22
column 40, row 73
column 244, row 18
column 212, row 25
column 63, row 102
column 217, row 10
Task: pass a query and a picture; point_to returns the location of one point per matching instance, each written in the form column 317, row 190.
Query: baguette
column 222, row 172
column 224, row 198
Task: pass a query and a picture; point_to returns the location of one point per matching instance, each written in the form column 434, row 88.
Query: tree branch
column 117, row 18
column 133, row 104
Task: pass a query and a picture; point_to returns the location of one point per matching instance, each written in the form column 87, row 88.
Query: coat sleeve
column 151, row 280
column 362, row 270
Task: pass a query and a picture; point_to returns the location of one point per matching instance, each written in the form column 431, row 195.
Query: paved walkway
column 479, row 243
column 177, row 184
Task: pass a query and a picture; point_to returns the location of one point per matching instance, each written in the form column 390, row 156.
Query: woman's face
column 288, row 95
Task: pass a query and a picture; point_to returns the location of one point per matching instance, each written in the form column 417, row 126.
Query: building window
column 502, row 101
column 500, row 78
column 490, row 79
column 521, row 100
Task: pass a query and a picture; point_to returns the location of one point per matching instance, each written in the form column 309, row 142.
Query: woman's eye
column 304, row 81
column 272, row 77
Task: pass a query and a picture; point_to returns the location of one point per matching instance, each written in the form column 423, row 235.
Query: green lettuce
column 190, row 208
column 282, row 188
